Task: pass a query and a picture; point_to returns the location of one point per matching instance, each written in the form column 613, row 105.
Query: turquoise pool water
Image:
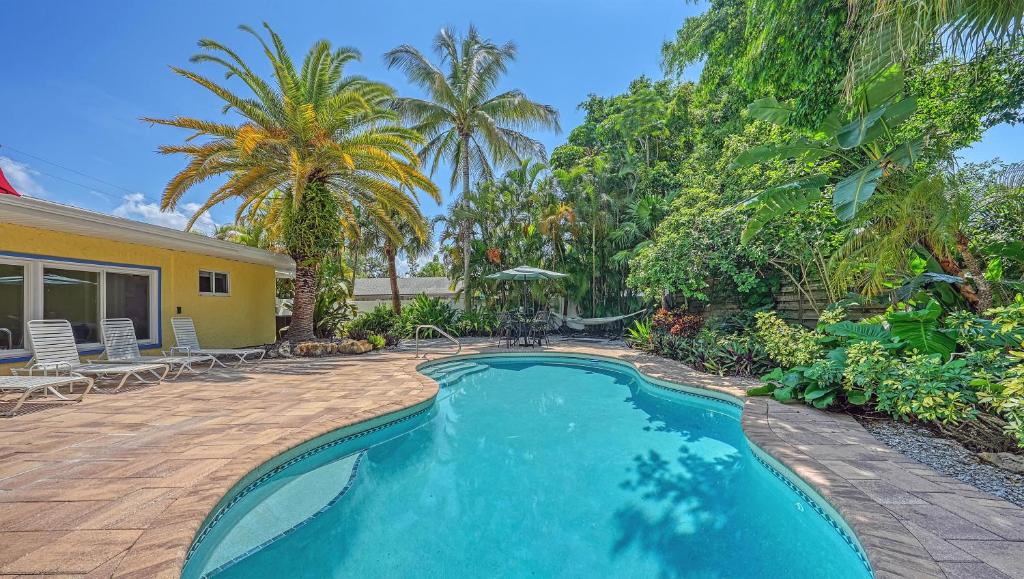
column 532, row 467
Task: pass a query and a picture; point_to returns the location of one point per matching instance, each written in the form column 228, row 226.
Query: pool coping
column 893, row 550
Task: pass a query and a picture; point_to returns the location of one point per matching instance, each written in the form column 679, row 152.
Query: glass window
column 213, row 283
column 220, row 283
column 73, row 296
column 12, row 307
column 128, row 297
column 205, row 282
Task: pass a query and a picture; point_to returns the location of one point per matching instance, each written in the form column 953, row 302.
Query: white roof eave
column 41, row 214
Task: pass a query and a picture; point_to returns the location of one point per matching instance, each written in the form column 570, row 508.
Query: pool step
column 289, row 502
column 454, row 372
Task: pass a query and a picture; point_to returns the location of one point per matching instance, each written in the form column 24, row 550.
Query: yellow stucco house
column 61, row 262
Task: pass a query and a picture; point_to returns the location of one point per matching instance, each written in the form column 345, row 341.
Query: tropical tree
column 433, row 268
column 412, row 244
column 321, row 140
column 464, row 122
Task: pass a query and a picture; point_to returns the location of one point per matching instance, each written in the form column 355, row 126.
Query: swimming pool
column 539, row 466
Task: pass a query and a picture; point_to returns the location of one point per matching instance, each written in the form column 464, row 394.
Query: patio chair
column 539, row 328
column 47, row 385
column 506, row 329
column 54, row 352
column 122, row 347
column 187, row 341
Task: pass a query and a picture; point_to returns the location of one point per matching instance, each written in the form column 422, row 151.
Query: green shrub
column 478, row 322
column 713, row 352
column 1000, row 389
column 678, row 322
column 639, row 335
column 424, row 311
column 381, row 320
column 786, row 344
column 376, row 340
column 924, row 387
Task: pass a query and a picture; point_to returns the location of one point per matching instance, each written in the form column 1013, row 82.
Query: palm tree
column 321, row 139
column 895, row 28
column 465, row 124
column 934, row 215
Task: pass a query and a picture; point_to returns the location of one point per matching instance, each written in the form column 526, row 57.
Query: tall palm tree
column 324, row 140
column 465, row 123
column 411, row 242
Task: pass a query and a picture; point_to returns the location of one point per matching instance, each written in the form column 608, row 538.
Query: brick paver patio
column 119, row 485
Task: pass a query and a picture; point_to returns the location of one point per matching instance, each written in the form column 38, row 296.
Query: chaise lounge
column 54, row 351
column 122, row 347
column 28, row 386
column 187, row 340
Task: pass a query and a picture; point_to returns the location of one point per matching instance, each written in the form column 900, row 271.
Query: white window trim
column 213, row 285
column 33, row 269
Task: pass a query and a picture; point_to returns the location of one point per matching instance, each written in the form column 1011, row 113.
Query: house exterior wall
column 244, row 317
column 367, row 303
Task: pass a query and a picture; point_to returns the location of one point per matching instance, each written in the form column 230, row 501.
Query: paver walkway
column 118, row 485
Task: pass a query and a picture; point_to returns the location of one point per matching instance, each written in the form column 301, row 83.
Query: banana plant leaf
column 859, row 332
column 799, row 148
column 771, row 110
column 855, row 132
column 905, row 154
column 855, row 190
column 920, row 330
column 894, row 115
column 780, row 200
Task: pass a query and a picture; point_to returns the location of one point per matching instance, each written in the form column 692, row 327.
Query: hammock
column 578, row 323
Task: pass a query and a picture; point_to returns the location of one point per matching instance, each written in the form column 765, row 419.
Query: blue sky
column 79, row 75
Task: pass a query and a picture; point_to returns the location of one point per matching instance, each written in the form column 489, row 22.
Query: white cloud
column 22, row 177
column 135, row 206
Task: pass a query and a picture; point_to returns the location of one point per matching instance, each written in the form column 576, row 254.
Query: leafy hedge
column 422, row 310
column 711, row 348
column 916, row 362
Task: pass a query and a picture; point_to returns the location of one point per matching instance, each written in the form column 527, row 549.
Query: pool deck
column 118, row 486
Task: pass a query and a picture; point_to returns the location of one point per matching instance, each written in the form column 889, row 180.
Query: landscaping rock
column 354, row 347
column 1005, row 460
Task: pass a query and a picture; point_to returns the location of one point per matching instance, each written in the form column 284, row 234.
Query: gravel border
column 948, row 457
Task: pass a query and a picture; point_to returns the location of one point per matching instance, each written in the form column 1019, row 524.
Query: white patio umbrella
column 524, row 274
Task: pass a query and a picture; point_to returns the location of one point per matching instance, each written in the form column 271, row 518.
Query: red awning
column 6, row 187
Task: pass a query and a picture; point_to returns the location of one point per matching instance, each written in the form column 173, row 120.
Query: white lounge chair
column 54, row 352
column 186, row 340
column 47, row 385
column 122, row 347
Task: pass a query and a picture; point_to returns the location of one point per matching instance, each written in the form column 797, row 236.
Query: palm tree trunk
column 391, row 254
column 303, row 302
column 466, row 226
column 974, row 266
column 951, row 267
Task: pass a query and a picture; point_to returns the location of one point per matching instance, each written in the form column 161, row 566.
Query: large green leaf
column 905, row 154
column 855, row 190
column 777, row 201
column 920, row 330
column 829, row 127
column 859, row 332
column 771, row 110
column 1013, row 250
column 895, row 115
column 883, row 87
column 798, row 148
column 855, row 132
